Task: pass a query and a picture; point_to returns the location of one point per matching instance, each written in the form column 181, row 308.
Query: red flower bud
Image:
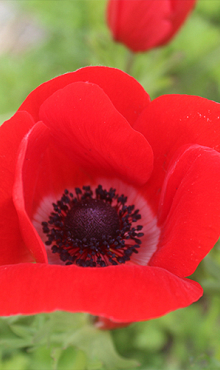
column 145, row 24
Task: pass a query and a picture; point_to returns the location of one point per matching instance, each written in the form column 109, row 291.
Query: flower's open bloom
column 108, row 201
column 145, row 24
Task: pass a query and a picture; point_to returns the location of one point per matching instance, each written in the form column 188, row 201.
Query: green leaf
column 14, row 343
column 98, row 346
column 72, row 358
column 55, row 354
column 22, row 331
column 18, row 362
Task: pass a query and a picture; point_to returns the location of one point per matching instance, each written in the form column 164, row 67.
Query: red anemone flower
column 108, row 201
column 145, row 24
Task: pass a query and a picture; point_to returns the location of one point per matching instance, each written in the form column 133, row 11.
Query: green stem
column 129, row 62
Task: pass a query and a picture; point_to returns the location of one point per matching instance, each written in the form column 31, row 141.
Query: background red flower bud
column 144, row 24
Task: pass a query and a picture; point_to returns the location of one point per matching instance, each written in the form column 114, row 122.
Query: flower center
column 92, row 230
column 92, row 218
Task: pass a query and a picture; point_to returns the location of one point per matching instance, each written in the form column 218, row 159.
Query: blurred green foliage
column 75, row 36
column 185, row 339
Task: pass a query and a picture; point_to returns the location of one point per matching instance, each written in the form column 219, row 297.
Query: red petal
column 41, row 171
column 189, row 210
column 12, row 131
column 21, row 193
column 88, row 128
column 121, row 293
column 174, row 120
column 126, row 94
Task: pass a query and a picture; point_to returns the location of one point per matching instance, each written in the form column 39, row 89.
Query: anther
column 93, row 230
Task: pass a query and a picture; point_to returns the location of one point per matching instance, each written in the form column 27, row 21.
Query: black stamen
column 93, row 230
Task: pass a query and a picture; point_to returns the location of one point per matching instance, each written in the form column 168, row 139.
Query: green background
column 75, row 35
